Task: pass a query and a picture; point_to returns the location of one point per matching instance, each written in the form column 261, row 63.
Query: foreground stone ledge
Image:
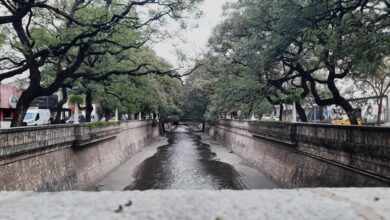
column 318, row 203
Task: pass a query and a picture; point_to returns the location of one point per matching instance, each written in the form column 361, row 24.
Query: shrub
column 76, row 99
column 100, row 124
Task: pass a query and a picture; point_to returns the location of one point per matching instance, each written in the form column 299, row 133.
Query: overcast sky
column 193, row 41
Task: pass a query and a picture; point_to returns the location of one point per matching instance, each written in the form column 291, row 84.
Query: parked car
column 35, row 116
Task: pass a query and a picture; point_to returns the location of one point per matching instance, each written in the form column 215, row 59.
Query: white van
column 35, row 116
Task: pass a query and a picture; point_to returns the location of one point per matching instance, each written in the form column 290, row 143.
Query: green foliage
column 43, row 37
column 196, row 94
column 218, row 88
column 76, row 99
column 62, row 43
column 295, row 97
column 287, row 44
column 262, row 107
column 99, row 124
column 148, row 94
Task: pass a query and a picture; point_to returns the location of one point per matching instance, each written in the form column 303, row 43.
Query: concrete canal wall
column 310, row 155
column 68, row 157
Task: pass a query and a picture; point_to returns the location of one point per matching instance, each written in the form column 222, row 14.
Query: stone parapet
column 320, row 204
column 23, row 139
column 359, row 149
column 64, row 157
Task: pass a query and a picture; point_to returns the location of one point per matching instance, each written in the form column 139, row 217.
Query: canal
column 185, row 159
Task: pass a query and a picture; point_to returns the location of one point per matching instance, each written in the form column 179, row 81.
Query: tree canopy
column 63, row 41
column 298, row 46
column 264, row 53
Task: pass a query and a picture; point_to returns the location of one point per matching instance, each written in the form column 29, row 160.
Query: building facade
column 9, row 96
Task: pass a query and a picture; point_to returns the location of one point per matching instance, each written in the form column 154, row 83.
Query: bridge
column 194, row 120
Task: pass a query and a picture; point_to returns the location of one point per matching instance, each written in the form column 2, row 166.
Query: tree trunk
column 60, row 104
column 343, row 103
column 301, row 112
column 337, row 99
column 340, row 100
column 380, row 104
column 32, row 92
column 351, row 112
column 281, row 112
column 21, row 108
column 89, row 107
column 106, row 112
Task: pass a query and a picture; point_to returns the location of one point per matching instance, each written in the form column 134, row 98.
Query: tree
column 60, row 104
column 147, row 94
column 219, row 88
column 87, row 90
column 60, row 35
column 76, row 99
column 195, row 99
column 378, row 81
column 305, row 43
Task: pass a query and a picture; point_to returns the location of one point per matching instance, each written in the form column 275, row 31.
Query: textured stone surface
column 300, row 204
column 23, row 139
column 58, row 163
column 306, row 155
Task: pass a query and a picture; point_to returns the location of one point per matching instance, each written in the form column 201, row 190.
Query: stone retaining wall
column 311, row 155
column 67, row 157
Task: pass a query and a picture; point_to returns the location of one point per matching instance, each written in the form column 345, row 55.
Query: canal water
column 189, row 161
